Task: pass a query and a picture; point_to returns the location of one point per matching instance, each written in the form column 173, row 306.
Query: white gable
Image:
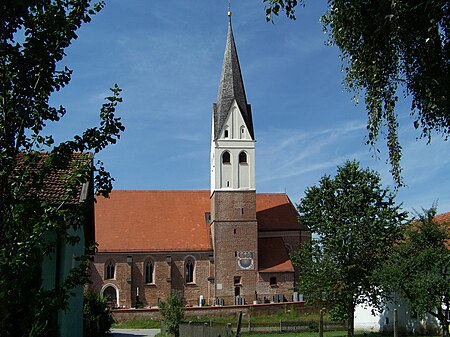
column 234, row 127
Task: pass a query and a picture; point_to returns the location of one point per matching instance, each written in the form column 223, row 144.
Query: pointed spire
column 231, row 88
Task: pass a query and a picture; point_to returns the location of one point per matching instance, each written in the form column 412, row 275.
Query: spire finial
column 229, row 8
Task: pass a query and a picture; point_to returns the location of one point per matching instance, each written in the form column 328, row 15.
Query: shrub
column 97, row 319
column 172, row 312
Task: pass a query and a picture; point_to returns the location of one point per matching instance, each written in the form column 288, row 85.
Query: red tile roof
column 153, row 221
column 443, row 218
column 173, row 220
column 275, row 211
column 273, row 257
column 56, row 183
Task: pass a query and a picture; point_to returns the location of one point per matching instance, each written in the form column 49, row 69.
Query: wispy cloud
column 291, row 153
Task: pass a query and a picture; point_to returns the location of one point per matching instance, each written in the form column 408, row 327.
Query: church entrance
column 110, row 294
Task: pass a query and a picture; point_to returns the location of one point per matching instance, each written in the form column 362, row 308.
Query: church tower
column 233, row 193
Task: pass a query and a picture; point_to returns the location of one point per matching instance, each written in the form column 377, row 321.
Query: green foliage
column 273, row 7
column 356, row 222
column 418, row 270
column 97, row 319
column 172, row 312
column 36, row 222
column 386, row 47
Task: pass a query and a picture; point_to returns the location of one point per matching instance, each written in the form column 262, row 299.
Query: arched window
column 110, row 269
column 242, row 133
column 226, row 158
column 149, row 270
column 242, row 157
column 189, row 266
column 226, row 133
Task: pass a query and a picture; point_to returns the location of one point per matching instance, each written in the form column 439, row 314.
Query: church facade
column 226, row 246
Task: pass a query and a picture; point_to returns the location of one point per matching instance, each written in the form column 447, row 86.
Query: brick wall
column 119, row 282
column 168, row 274
column 284, row 285
column 235, row 231
column 121, row 315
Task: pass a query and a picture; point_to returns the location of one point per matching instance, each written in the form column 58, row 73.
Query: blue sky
column 167, row 57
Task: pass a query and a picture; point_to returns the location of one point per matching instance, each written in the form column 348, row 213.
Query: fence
column 206, row 329
column 202, row 330
column 289, row 326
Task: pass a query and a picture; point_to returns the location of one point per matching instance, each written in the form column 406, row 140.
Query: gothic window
column 149, row 271
column 110, row 270
column 189, row 266
column 226, row 158
column 242, row 157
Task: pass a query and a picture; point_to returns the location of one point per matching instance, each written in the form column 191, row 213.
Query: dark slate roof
column 231, row 88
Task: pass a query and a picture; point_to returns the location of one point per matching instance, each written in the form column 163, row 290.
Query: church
column 225, row 246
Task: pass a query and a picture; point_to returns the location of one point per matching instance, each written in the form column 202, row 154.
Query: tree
column 33, row 219
column 388, row 46
column 172, row 312
column 356, row 222
column 418, row 270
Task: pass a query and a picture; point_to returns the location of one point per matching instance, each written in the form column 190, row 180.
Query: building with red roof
column 229, row 245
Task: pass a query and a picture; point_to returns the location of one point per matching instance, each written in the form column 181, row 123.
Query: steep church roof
column 231, row 88
column 163, row 221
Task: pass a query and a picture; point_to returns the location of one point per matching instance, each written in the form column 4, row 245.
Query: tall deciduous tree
column 33, row 219
column 418, row 270
column 356, row 221
column 387, row 46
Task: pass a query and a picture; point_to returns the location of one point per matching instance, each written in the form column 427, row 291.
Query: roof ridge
column 157, row 191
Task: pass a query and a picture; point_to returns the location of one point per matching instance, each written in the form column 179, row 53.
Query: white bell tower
column 232, row 137
column 234, row 227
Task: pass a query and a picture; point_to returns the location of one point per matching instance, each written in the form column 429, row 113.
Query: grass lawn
column 316, row 334
column 288, row 316
column 310, row 334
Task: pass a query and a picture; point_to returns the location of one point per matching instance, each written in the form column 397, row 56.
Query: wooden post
column 238, row 330
column 321, row 323
column 395, row 323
